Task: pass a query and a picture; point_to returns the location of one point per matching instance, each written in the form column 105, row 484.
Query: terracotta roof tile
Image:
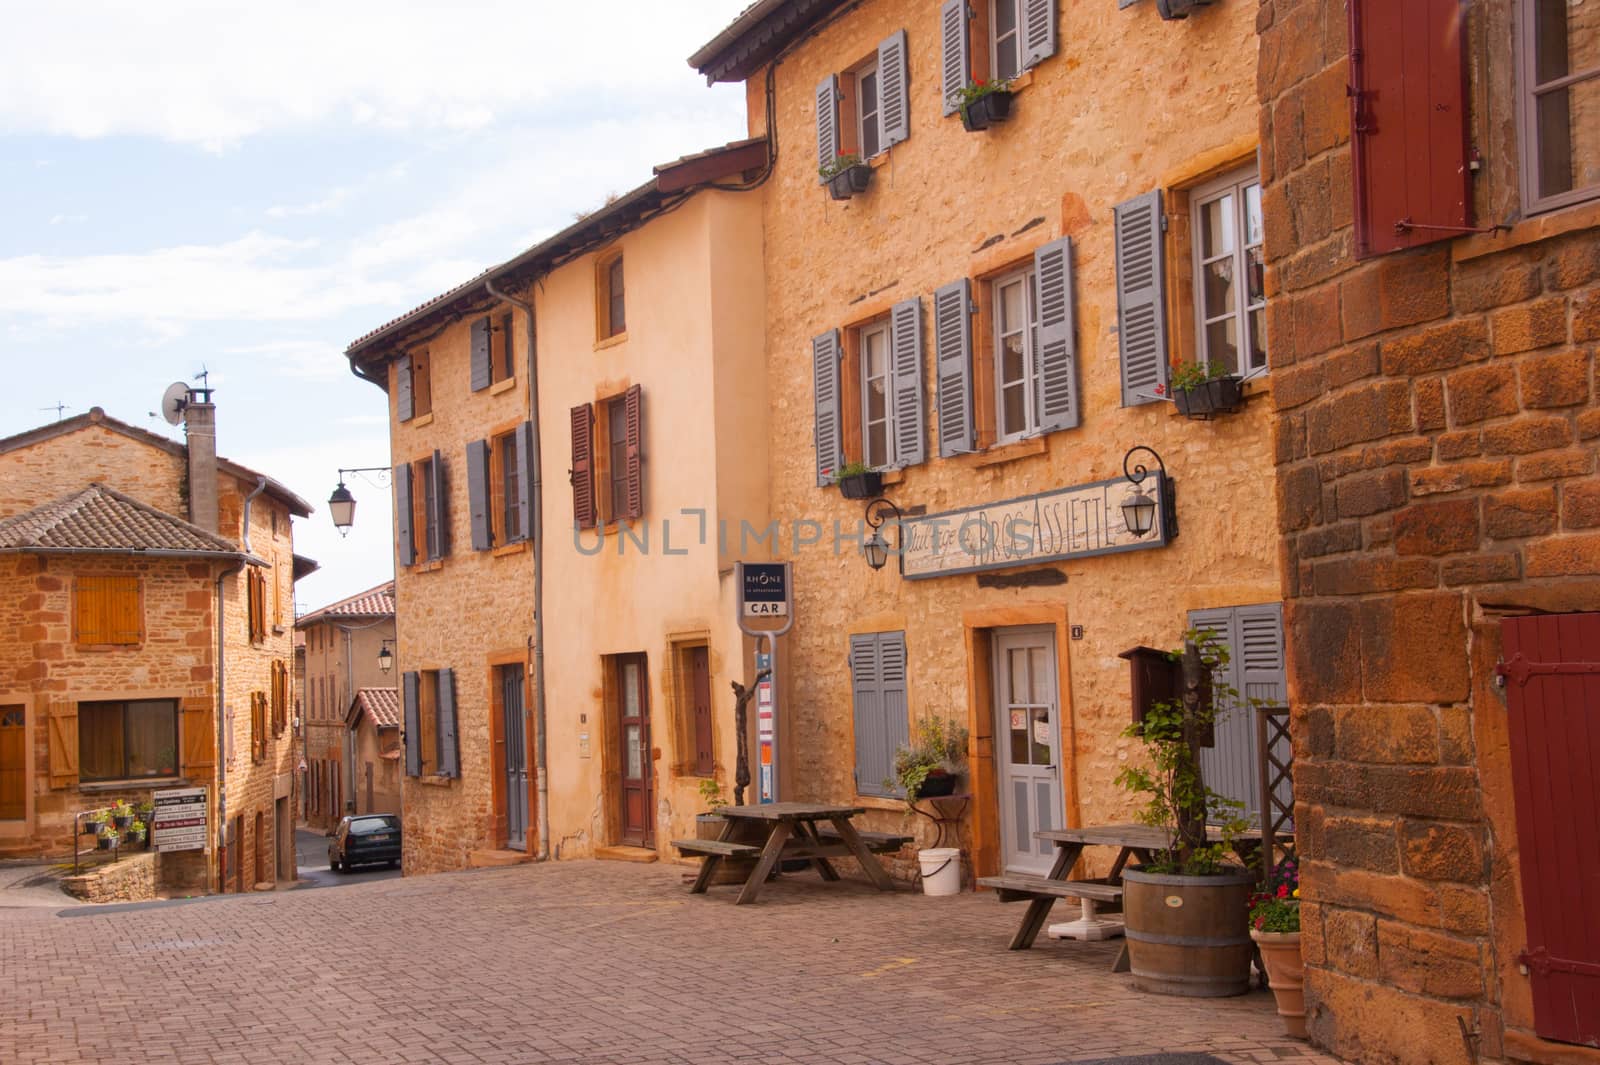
column 99, row 518
column 373, row 603
column 380, row 704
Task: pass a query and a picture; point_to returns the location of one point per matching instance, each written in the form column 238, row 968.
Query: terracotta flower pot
column 1286, row 972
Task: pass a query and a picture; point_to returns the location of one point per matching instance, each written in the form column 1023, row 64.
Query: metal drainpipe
column 536, row 534
column 261, row 486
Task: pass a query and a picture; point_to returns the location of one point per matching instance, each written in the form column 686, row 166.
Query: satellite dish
column 173, row 400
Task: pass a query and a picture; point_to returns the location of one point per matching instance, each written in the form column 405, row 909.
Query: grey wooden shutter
column 1229, row 765
column 409, row 689
column 1057, row 348
column 952, row 345
column 480, row 354
column 896, row 723
column 1038, row 31
column 1263, row 677
column 894, row 90
column 478, row 494
column 405, row 540
column 525, row 479
column 440, row 518
column 827, row 123
column 1141, row 298
column 905, row 383
column 584, row 515
column 955, row 55
column 405, row 408
column 825, row 352
column 633, row 451
column 449, row 744
column 878, row 688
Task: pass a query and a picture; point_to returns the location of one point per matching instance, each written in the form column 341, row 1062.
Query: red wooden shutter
column 1552, row 669
column 583, row 511
column 1408, row 123
column 633, row 443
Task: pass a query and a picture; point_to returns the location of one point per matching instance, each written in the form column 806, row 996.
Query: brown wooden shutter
column 1408, row 123
column 108, row 610
column 582, row 473
column 700, row 692
column 63, row 745
column 197, row 730
column 633, row 443
column 89, row 609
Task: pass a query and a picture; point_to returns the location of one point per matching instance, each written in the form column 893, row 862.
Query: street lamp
column 876, row 548
column 1138, row 508
column 385, row 657
column 342, row 504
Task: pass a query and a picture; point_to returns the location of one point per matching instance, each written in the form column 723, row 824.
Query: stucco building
column 1435, row 441
column 146, row 644
column 344, row 645
column 375, row 751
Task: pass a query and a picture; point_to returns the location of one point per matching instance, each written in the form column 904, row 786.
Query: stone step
column 490, row 859
column 622, row 853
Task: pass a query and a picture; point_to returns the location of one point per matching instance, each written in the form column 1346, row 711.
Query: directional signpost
column 180, row 820
column 764, row 593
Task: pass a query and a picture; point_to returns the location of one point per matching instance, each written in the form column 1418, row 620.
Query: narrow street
column 311, row 859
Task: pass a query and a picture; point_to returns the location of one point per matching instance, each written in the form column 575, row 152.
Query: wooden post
column 741, row 702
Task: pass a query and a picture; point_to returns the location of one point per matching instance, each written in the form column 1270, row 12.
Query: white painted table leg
column 1087, row 926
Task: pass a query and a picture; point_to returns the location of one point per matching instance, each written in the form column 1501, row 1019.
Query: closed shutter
column 1057, row 349
column 1409, row 128
column 1038, row 31
column 410, row 692
column 700, row 690
column 478, row 494
column 405, row 542
column 955, row 52
column 633, row 448
column 827, row 123
column 582, row 473
column 894, row 90
column 1141, row 298
column 905, row 383
column 825, row 354
column 878, row 686
column 108, row 610
column 525, row 479
column 197, row 735
column 403, row 404
column 952, row 345
column 63, row 742
column 449, row 745
column 440, row 517
column 481, row 374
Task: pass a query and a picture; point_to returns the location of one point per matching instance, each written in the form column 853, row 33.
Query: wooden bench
column 1022, row 887
column 877, row 842
column 720, row 848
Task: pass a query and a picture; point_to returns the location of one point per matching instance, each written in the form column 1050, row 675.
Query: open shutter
column 1038, row 31
column 63, row 745
column 825, row 353
column 1229, row 763
column 895, row 722
column 197, row 734
column 867, row 697
column 410, row 691
column 894, row 90
column 440, row 518
column 1141, row 298
column 404, row 407
column 952, row 345
column 583, row 511
column 449, row 745
column 955, row 56
column 827, row 123
column 480, row 354
column 405, row 542
column 525, row 479
column 633, row 446
column 478, row 494
column 1263, row 676
column 905, row 384
column 1057, row 350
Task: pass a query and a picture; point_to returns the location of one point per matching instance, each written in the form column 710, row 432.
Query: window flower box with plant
column 1204, row 390
column 106, row 839
column 1275, row 926
column 984, row 103
column 847, row 176
column 857, row 480
column 930, row 766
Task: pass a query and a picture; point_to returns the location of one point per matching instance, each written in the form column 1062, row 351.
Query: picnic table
column 1133, row 841
column 772, row 832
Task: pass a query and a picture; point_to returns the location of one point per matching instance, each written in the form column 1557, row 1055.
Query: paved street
column 585, row 962
column 311, row 859
column 36, row 885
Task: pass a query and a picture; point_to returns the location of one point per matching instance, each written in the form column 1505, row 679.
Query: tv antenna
column 60, row 408
column 205, row 389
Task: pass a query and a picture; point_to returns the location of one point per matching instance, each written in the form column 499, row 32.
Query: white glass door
column 1027, row 746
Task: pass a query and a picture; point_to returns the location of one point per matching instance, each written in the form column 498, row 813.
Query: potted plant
column 930, row 765
column 106, row 839
column 121, row 814
column 94, row 822
column 1275, row 926
column 846, row 176
column 984, row 103
column 136, row 835
column 1186, row 912
column 1202, row 390
column 857, row 480
column 709, row 825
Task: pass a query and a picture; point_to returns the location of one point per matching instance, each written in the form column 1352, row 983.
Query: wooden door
column 1552, row 670
column 1027, row 746
column 13, row 763
column 633, row 720
column 705, row 762
column 236, row 852
column 515, row 759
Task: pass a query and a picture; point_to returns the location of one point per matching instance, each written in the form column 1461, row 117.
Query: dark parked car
column 365, row 839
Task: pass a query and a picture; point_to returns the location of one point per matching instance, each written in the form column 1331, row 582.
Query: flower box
column 861, row 485
column 987, row 110
column 850, row 181
column 1220, row 395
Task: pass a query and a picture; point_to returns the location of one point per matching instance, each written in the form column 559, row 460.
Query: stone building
column 149, row 586
column 1435, row 437
column 990, row 325
column 344, row 653
column 645, row 370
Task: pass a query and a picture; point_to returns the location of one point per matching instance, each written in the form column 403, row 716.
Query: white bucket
column 941, row 870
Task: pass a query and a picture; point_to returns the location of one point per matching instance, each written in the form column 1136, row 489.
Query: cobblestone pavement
column 586, row 962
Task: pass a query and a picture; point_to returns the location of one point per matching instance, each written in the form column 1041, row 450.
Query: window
column 108, row 610
column 611, row 319
column 878, row 692
column 413, row 378
column 1005, row 56
column 502, row 363
column 991, row 40
column 258, row 727
column 280, row 697
column 608, row 455
column 421, row 510
column 1016, row 320
column 127, row 740
column 868, row 384
column 1559, row 65
column 428, row 700
column 510, row 484
column 617, row 454
column 256, row 604
column 875, row 395
column 499, row 488
column 1230, row 294
column 865, row 109
column 868, row 116
column 689, row 684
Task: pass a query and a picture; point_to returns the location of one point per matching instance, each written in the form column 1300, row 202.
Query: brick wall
column 1435, row 443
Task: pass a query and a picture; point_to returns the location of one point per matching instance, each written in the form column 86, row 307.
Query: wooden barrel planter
column 1188, row 935
column 729, row 870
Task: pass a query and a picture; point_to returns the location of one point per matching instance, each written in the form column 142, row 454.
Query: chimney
column 200, row 426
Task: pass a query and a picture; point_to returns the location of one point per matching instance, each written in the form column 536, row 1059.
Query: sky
column 246, row 188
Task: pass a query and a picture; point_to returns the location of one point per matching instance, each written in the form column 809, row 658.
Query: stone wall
column 131, row 878
column 1435, row 433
